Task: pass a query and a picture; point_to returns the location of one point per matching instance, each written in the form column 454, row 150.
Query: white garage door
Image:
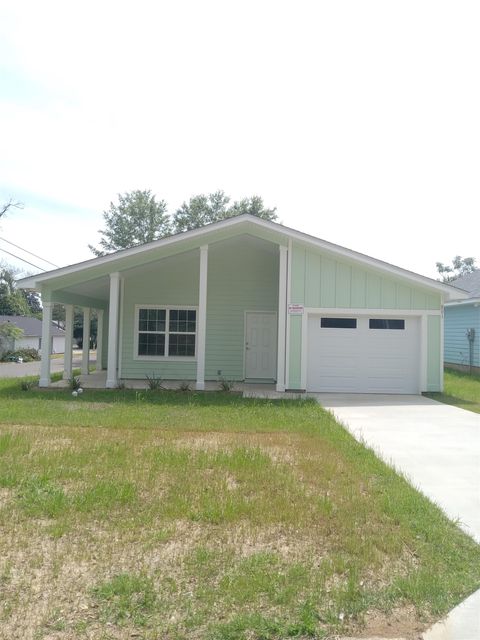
column 363, row 354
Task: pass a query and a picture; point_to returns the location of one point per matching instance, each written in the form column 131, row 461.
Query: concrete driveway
column 438, row 447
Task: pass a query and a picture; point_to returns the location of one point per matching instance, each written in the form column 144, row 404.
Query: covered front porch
column 98, row 379
column 222, row 283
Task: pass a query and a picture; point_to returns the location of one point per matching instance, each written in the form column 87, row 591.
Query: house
column 462, row 326
column 32, row 334
column 248, row 299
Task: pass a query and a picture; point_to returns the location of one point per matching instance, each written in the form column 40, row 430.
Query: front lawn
column 180, row 515
column 461, row 390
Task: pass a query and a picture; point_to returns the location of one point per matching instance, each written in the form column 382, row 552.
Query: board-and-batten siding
column 456, row 347
column 241, row 277
column 321, row 281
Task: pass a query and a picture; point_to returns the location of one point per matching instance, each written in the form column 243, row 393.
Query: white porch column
column 113, row 331
column 67, row 356
column 86, row 340
column 98, row 364
column 282, row 317
column 46, row 344
column 202, row 317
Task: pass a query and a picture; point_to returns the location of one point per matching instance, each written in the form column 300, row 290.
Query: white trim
column 200, row 340
column 120, row 327
column 87, row 316
column 421, row 315
column 167, row 308
column 304, row 352
column 449, row 290
column 289, row 295
column 98, row 363
column 68, row 354
column 442, row 350
column 424, row 352
column 114, row 295
column 46, row 344
column 245, row 313
column 282, row 313
column 343, row 311
column 456, row 303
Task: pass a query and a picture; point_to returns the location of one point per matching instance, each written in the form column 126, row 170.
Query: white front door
column 260, row 345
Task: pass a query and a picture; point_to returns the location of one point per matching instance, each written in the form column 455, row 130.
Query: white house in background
column 32, row 334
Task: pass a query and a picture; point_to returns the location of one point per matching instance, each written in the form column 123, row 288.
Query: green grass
column 186, row 515
column 461, row 390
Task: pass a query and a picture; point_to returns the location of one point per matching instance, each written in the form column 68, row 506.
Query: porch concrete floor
column 97, row 380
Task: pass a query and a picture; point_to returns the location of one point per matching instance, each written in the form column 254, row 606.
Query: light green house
column 251, row 300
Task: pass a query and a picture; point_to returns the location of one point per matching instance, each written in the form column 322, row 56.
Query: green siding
column 172, row 281
column 241, row 277
column 319, row 280
column 294, row 381
column 434, row 354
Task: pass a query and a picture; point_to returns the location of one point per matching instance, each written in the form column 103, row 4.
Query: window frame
column 352, row 319
column 167, row 309
column 387, row 320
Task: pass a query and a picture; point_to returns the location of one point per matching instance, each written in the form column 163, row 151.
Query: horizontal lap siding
column 241, row 278
column 457, row 321
column 172, row 281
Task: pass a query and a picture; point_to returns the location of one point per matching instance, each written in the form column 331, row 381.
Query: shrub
column 74, row 383
column 26, row 385
column 184, row 386
column 154, row 383
column 226, row 385
column 27, row 355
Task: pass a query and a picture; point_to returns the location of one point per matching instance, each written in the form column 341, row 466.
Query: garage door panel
column 363, row 360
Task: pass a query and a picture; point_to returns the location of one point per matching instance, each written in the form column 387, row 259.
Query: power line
column 30, row 252
column 22, row 259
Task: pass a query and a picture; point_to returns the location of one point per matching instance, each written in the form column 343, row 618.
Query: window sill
column 166, row 358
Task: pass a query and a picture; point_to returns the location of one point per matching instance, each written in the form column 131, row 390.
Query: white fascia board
column 456, row 303
column 447, row 290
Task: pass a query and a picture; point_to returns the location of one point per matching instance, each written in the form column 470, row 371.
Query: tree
column 201, row 210
column 12, row 301
column 136, row 219
column 8, row 334
column 204, row 209
column 460, row 267
column 10, row 205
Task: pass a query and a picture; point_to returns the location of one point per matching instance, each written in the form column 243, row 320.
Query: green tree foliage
column 8, row 334
column 139, row 218
column 136, row 218
column 459, row 267
column 204, row 209
column 12, row 300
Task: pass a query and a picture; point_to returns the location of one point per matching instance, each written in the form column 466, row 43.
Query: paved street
column 17, row 370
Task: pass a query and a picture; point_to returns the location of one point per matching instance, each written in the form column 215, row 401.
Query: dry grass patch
column 187, row 530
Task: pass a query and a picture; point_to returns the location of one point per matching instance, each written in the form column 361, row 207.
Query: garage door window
column 338, row 323
column 386, row 323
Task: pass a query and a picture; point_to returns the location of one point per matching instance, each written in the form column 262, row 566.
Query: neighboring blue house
column 462, row 326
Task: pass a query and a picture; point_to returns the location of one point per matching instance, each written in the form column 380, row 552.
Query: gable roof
column 31, row 326
column 245, row 223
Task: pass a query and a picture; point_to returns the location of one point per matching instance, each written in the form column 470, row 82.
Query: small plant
column 120, row 385
column 154, row 383
column 184, row 386
column 26, row 385
column 74, row 383
column 226, row 385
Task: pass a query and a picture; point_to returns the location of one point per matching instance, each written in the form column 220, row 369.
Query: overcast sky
column 358, row 120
